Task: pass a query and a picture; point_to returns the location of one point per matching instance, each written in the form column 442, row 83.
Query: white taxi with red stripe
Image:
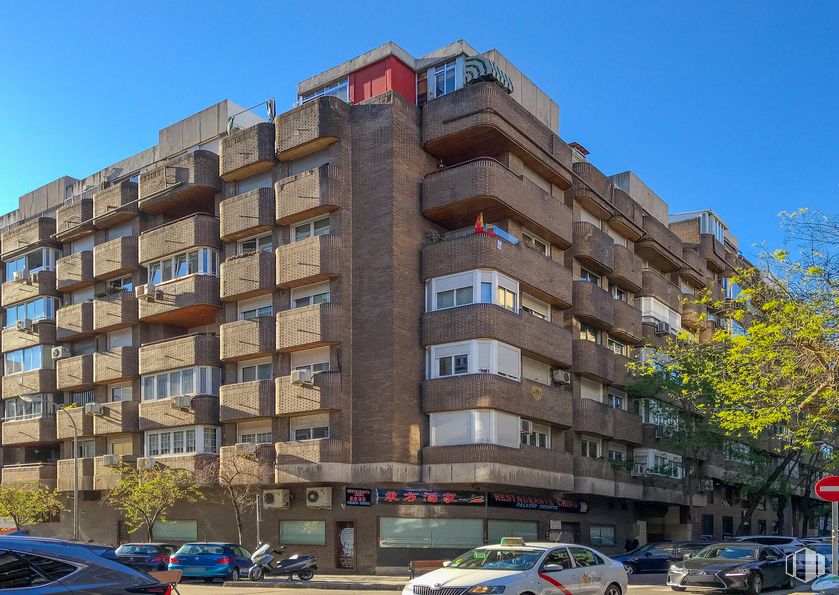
column 517, row 568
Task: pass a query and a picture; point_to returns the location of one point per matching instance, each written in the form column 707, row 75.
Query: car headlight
column 487, row 589
column 736, row 572
column 677, row 569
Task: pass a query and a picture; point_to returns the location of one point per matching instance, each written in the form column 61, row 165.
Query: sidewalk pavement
column 337, row 582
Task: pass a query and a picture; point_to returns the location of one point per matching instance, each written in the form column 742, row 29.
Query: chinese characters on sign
column 434, row 497
column 358, row 497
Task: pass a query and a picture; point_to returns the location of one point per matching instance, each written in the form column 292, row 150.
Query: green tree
column 145, row 496
column 28, row 503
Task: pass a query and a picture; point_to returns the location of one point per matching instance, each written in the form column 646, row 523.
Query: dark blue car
column 656, row 557
column 210, row 561
column 147, row 557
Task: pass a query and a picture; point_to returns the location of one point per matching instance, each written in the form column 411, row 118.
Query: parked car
column 525, row 568
column 41, row 566
column 739, row 565
column 145, row 556
column 656, row 557
column 816, row 566
column 787, row 545
column 211, row 561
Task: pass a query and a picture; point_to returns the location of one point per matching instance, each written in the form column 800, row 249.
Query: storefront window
column 303, row 532
column 431, row 533
column 527, row 530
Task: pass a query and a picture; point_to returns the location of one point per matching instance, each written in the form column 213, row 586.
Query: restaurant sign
column 536, row 503
column 433, row 497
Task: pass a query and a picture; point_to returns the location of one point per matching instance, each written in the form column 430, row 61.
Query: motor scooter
column 265, row 564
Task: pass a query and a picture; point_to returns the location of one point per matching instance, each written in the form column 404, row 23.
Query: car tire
column 613, row 589
column 678, row 588
column 755, row 584
column 629, row 569
column 235, row 575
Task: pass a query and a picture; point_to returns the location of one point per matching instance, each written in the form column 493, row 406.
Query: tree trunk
column 237, row 513
column 764, row 489
column 782, row 506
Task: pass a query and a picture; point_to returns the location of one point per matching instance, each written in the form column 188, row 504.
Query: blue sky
column 723, row 105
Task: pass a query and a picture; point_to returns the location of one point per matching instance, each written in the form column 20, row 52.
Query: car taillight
column 224, row 560
column 158, row 559
column 158, row 589
column 173, row 560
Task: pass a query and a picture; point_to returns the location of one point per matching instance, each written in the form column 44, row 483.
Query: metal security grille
column 421, row 590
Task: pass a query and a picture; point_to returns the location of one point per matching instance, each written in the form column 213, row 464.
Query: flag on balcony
column 479, row 225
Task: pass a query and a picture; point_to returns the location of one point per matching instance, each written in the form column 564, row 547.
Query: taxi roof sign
column 512, row 541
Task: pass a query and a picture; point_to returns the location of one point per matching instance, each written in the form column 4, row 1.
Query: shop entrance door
column 345, row 545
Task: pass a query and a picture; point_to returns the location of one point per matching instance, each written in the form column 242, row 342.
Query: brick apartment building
column 311, row 292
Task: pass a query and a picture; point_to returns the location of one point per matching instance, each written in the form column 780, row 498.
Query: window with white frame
column 590, row 447
column 340, row 89
column 251, row 370
column 475, row 426
column 653, row 310
column 712, row 225
column 535, row 370
column 445, row 78
column 618, row 292
column 617, row 347
column 540, row 436
column 121, row 392
column 309, row 295
column 476, row 286
column 589, row 277
column 309, row 427
column 617, row 452
column 26, row 360
column 200, row 261
column 183, row 440
column 531, row 240
column 309, row 229
column 40, row 308
column 480, row 356
column 616, row 400
column 87, row 449
column 123, row 337
column 650, row 461
column 42, row 259
column 261, row 243
column 658, row 413
column 535, row 307
column 32, row 407
column 254, row 432
column 316, row 360
column 256, row 307
column 200, row 380
column 121, row 284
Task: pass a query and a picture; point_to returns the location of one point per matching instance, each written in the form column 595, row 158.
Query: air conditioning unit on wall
column 319, row 497
column 276, row 499
column 560, row 376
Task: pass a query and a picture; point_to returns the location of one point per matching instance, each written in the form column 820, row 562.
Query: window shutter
column 509, row 361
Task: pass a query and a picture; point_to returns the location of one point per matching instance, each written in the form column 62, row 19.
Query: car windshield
column 201, row 548
column 771, row 540
column 728, row 551
column 137, row 549
column 511, row 559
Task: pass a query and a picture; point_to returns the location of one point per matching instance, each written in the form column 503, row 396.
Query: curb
column 326, row 585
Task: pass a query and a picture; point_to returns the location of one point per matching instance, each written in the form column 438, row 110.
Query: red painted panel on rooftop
column 383, row 76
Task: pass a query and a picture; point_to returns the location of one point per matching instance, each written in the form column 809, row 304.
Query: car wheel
column 305, row 575
column 613, row 589
column 629, row 568
column 756, row 584
column 234, row 576
column 678, row 588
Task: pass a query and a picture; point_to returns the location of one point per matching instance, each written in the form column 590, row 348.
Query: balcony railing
column 74, row 322
column 246, row 400
column 114, row 311
column 244, row 339
column 27, row 235
column 115, row 258
column 121, row 363
column 309, row 261
column 309, row 327
column 117, row 418
column 185, row 184
column 311, row 193
column 251, row 468
column 327, row 392
column 178, row 236
column 162, row 413
column 593, row 248
column 115, row 204
column 187, row 302
column 67, row 473
column 73, row 373
column 74, row 220
column 36, row 284
column 198, row 349
column 593, row 305
column 35, row 382
column 28, row 432
column 74, row 271
column 43, row 474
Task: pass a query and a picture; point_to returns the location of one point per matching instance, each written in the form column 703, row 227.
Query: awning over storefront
column 478, row 68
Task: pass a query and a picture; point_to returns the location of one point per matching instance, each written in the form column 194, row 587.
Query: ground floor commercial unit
column 381, row 528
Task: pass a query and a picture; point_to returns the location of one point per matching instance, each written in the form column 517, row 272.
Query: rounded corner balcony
column 593, row 248
column 255, row 468
column 246, row 214
column 187, row 302
column 627, row 270
column 310, row 127
column 601, row 477
column 311, row 193
column 115, row 204
column 593, row 305
column 710, row 248
column 243, row 339
column 453, row 197
column 117, row 418
column 247, row 275
column 593, row 361
column 25, row 236
column 660, row 246
column 309, row 327
column 74, row 322
column 154, row 415
column 247, row 152
column 115, row 258
column 596, row 193
column 184, row 184
column 599, row 419
column 313, row 460
column 540, row 275
column 471, row 464
column 696, row 271
column 656, row 285
column 74, row 219
column 246, row 400
column 28, row 432
column 41, row 283
column 326, row 392
column 74, row 271
column 309, row 261
column 536, row 337
column 74, row 373
column 534, row 400
column 482, row 119
column 627, row 323
column 191, row 231
column 41, row 474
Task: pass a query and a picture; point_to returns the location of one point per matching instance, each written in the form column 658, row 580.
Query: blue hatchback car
column 211, row 560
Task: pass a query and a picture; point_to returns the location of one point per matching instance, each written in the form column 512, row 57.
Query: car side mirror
column 447, row 563
column 686, row 555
